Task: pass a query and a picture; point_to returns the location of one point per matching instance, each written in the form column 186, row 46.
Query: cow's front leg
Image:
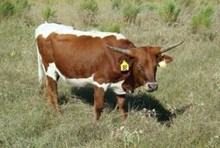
column 99, row 94
column 51, row 86
column 122, row 106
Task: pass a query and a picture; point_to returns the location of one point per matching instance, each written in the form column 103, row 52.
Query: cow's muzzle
column 151, row 86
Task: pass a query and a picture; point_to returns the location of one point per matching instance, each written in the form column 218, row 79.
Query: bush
column 130, row 13
column 169, row 12
column 202, row 20
column 111, row 28
column 89, row 9
column 7, row 9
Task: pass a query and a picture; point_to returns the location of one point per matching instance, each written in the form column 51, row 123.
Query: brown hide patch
column 45, row 50
column 83, row 56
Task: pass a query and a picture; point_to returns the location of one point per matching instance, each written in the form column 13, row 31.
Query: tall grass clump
column 111, row 28
column 48, row 13
column 88, row 11
column 169, row 11
column 130, row 13
column 202, row 20
column 150, row 6
column 7, row 9
column 22, row 6
column 116, row 4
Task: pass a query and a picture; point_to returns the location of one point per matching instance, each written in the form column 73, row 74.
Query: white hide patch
column 52, row 72
column 47, row 28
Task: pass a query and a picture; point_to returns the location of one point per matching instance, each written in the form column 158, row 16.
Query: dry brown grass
column 189, row 87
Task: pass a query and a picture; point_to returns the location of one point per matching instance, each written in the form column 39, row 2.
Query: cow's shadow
column 138, row 102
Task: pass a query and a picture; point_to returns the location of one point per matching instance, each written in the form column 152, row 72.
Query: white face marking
column 47, row 28
column 52, row 72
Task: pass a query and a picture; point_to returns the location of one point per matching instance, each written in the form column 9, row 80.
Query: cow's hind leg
column 41, row 87
column 51, row 86
column 121, row 105
column 41, row 73
column 99, row 94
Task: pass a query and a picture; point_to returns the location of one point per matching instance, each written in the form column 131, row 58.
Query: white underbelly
column 52, row 72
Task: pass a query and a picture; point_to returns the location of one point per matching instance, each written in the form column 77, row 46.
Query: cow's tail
column 41, row 72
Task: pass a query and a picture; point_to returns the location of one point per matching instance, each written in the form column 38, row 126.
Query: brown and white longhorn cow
column 102, row 59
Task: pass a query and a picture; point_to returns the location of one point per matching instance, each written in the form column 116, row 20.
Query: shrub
column 89, row 9
column 111, row 28
column 130, row 13
column 7, row 9
column 48, row 13
column 169, row 12
column 202, row 20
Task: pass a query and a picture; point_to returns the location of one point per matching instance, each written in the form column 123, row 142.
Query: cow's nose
column 152, row 86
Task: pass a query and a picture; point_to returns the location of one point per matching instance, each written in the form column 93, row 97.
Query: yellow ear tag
column 124, row 66
column 162, row 64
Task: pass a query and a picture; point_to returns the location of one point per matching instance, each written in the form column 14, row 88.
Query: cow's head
column 145, row 63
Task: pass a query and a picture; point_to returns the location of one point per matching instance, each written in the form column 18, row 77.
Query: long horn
column 124, row 51
column 165, row 49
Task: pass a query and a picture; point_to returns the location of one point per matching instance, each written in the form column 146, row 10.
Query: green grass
column 10, row 8
column 189, row 87
column 169, row 11
column 48, row 13
column 110, row 28
column 202, row 20
column 88, row 11
column 130, row 13
column 7, row 9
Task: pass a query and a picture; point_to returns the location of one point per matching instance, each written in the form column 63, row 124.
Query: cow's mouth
column 151, row 86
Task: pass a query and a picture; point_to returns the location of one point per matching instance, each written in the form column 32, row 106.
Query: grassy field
column 183, row 112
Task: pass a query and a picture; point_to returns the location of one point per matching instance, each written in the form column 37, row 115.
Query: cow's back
column 79, row 54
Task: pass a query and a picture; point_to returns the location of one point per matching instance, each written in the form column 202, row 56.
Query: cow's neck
column 130, row 83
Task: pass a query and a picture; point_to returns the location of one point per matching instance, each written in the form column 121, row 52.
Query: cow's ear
column 163, row 60
column 167, row 59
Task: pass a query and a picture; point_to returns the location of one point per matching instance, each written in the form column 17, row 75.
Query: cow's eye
column 159, row 59
column 140, row 69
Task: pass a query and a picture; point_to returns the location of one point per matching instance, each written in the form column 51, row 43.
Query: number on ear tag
column 124, row 66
